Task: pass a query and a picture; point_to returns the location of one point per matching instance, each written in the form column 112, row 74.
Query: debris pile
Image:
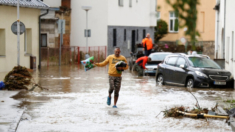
column 178, row 111
column 19, row 78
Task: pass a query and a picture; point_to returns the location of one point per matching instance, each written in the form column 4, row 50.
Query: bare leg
column 109, row 95
column 115, row 100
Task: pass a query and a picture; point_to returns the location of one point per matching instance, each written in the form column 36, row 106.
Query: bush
column 160, row 30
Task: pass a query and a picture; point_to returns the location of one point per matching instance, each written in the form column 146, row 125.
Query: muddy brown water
column 74, row 92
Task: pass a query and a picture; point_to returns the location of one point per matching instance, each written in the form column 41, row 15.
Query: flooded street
column 76, row 101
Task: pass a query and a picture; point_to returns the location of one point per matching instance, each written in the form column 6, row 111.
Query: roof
column 25, row 3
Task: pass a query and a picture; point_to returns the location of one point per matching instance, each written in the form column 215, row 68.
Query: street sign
column 87, row 33
column 61, row 24
column 14, row 28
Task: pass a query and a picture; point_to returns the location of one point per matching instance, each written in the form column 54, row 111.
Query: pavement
column 76, row 101
column 10, row 114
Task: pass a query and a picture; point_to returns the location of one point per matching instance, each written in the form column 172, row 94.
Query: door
column 133, row 41
column 180, row 73
column 43, row 40
column 170, row 69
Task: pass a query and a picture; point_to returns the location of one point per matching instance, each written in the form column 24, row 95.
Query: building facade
column 205, row 16
column 225, row 48
column 29, row 40
column 205, row 26
column 59, row 9
column 121, row 23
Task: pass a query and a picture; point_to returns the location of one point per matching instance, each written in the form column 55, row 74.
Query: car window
column 181, row 61
column 203, row 63
column 171, row 61
column 156, row 57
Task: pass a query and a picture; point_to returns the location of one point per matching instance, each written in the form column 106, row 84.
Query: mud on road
column 76, row 101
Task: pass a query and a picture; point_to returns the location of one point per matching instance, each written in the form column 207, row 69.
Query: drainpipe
column 217, row 43
column 224, row 25
column 39, row 66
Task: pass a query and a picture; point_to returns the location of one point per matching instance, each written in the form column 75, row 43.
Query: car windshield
column 203, row 63
column 156, row 57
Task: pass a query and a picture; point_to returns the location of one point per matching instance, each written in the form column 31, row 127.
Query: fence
column 71, row 55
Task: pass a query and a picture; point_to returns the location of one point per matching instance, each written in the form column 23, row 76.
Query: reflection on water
column 76, row 93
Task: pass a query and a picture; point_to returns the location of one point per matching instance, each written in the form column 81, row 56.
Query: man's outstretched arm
column 104, row 63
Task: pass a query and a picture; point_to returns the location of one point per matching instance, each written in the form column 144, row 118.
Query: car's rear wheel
column 190, row 83
column 160, row 79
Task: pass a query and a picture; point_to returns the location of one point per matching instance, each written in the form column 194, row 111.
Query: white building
column 225, row 27
column 121, row 23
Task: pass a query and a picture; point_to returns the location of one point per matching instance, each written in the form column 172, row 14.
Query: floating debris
column 194, row 113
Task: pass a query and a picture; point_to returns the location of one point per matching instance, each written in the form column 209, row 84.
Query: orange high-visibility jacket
column 147, row 43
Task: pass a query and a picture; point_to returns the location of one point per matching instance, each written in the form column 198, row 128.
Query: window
column 157, row 57
column 137, row 35
column 171, row 61
column 114, row 37
column 2, row 43
column 44, row 40
column 203, row 63
column 124, row 34
column 227, row 49
column 201, row 22
column 130, row 3
column 144, row 33
column 158, row 15
column 181, row 61
column 28, row 41
column 174, row 24
column 120, row 2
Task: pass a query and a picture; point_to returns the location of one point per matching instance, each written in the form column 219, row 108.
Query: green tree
column 160, row 30
column 187, row 13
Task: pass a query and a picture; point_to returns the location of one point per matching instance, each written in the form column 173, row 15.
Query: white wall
column 97, row 22
column 142, row 13
column 52, row 3
column 230, row 26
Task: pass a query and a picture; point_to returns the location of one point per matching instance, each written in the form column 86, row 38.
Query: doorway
column 133, row 41
column 43, row 40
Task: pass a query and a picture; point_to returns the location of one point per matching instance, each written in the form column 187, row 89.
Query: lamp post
column 86, row 8
column 18, row 33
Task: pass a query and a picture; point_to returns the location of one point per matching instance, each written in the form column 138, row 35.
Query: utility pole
column 61, row 39
column 18, row 33
column 86, row 8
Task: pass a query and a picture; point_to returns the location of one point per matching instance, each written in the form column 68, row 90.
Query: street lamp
column 86, row 8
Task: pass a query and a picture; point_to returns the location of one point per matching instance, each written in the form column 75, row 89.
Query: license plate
column 219, row 83
column 150, row 69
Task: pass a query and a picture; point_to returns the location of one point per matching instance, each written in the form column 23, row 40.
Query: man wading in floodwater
column 114, row 76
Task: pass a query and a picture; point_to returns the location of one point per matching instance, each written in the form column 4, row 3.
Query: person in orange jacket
column 147, row 44
column 139, row 65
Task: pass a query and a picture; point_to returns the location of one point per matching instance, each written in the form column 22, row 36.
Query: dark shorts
column 147, row 52
column 115, row 85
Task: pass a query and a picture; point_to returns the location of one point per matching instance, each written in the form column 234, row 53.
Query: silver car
column 157, row 58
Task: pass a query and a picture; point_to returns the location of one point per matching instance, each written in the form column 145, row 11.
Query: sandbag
column 88, row 63
column 2, row 85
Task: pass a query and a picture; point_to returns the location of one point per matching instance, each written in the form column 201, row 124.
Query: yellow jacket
column 112, row 60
